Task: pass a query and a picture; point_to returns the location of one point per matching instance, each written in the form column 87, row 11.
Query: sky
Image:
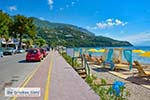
column 127, row 20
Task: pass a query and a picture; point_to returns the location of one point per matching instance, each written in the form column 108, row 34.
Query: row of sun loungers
column 118, row 65
column 95, row 60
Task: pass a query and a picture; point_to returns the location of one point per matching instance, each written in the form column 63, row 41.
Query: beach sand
column 138, row 87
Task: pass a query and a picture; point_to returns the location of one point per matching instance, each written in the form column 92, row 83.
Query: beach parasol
column 101, row 50
column 92, row 50
column 146, row 54
column 138, row 51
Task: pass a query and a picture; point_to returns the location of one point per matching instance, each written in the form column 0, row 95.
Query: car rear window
column 33, row 51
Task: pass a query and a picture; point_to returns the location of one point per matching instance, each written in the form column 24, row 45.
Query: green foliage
column 40, row 42
column 23, row 26
column 69, row 60
column 103, row 81
column 90, row 79
column 106, row 92
column 28, row 42
column 5, row 24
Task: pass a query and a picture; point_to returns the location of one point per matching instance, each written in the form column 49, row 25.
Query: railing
column 85, row 65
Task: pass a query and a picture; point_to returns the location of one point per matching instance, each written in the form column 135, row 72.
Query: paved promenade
column 58, row 81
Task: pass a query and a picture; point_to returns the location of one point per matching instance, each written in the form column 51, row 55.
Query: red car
column 34, row 55
column 43, row 51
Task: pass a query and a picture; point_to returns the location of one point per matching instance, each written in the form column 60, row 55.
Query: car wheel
column 40, row 59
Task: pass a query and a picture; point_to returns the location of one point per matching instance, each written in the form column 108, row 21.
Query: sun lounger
column 93, row 60
column 119, row 66
column 98, row 61
column 141, row 72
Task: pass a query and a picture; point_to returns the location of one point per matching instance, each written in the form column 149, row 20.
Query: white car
column 20, row 51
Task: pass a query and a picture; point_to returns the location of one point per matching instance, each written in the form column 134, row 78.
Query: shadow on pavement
column 101, row 69
column 139, row 80
column 24, row 61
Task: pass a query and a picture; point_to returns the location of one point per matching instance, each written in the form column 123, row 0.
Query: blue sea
column 135, row 56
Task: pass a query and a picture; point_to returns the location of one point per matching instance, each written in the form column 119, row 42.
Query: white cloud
column 118, row 22
column 142, row 38
column 50, row 3
column 101, row 25
column 137, row 38
column 109, row 20
column 110, row 23
column 12, row 8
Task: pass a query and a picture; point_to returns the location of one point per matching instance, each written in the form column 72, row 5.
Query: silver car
column 9, row 51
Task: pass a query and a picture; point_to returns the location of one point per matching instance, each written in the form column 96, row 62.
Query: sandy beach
column 135, row 85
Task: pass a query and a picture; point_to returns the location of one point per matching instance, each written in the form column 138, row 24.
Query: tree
column 40, row 42
column 5, row 24
column 23, row 26
column 28, row 42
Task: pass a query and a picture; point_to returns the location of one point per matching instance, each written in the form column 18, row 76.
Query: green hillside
column 72, row 36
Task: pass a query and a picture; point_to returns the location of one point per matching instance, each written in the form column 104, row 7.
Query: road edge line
column 48, row 82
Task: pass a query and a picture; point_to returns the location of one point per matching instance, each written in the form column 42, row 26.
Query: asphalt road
column 54, row 76
column 13, row 71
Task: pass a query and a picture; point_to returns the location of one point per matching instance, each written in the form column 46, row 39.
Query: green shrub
column 69, row 60
column 106, row 92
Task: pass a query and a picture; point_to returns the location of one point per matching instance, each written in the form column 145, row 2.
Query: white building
column 11, row 43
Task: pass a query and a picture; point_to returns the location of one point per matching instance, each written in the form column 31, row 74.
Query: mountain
column 50, row 25
column 72, row 36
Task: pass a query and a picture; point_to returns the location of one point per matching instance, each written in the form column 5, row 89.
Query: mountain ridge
column 72, row 36
column 49, row 24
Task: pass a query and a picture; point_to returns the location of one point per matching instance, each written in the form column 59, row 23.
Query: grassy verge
column 69, row 60
column 107, row 92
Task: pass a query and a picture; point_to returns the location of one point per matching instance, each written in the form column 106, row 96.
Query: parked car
column 20, row 51
column 43, row 51
column 34, row 55
column 27, row 50
column 1, row 52
column 9, row 51
column 47, row 48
